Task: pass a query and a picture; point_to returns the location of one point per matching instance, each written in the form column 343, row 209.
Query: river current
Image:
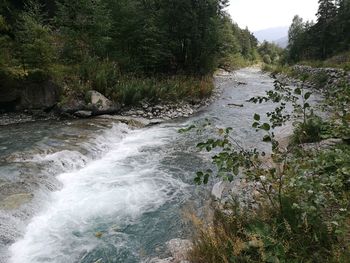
column 95, row 190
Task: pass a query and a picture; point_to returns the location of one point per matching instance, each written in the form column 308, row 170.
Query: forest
column 108, row 45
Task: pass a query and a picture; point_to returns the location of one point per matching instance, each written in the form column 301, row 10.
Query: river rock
column 15, row 201
column 99, row 104
column 179, row 248
column 27, row 93
column 83, row 114
column 218, row 190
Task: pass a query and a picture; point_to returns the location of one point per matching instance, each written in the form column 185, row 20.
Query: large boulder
column 93, row 104
column 36, row 91
column 99, row 104
column 71, row 104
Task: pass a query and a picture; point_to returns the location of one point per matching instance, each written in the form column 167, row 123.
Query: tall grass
column 105, row 77
column 131, row 90
column 264, row 235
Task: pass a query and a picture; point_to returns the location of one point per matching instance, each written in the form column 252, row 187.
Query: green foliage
column 101, row 75
column 330, row 35
column 33, row 38
column 5, row 43
column 338, row 99
column 37, row 75
column 309, row 131
column 300, row 201
column 84, row 28
column 267, row 59
column 131, row 90
column 270, row 53
column 110, row 45
column 264, row 236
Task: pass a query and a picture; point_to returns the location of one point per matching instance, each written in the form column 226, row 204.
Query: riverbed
column 88, row 190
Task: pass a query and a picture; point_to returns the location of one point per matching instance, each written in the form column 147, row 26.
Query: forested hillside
column 94, row 44
column 326, row 37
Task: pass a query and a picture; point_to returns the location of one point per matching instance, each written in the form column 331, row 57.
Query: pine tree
column 326, row 14
column 295, row 39
column 84, row 26
column 33, row 37
column 343, row 25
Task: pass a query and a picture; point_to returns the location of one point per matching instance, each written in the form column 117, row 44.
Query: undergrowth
column 299, row 211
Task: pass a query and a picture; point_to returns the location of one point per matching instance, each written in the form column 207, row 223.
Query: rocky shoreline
column 98, row 105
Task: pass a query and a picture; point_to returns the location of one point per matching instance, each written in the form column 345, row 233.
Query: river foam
column 121, row 185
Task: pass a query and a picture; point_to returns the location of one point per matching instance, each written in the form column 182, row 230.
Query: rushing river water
column 89, row 190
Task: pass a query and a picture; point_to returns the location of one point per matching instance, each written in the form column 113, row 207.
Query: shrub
column 267, row 59
column 320, row 79
column 299, row 210
column 38, row 75
column 263, row 236
column 102, row 75
column 308, row 131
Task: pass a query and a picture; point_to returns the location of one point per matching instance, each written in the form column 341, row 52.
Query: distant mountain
column 278, row 35
column 282, row 42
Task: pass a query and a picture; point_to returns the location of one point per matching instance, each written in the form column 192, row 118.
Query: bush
column 264, row 236
column 234, row 62
column 267, row 59
column 38, row 75
column 308, row 131
column 320, row 79
column 102, row 75
column 298, row 210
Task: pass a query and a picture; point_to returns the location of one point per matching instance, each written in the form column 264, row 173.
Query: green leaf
column 256, row 117
column 267, row 138
column 228, row 130
column 206, row 179
column 256, row 124
column 198, row 180
column 306, row 105
column 297, row 91
column 200, row 174
column 307, row 95
column 265, row 126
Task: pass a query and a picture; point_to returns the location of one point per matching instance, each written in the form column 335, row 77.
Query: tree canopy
column 329, row 35
column 140, row 36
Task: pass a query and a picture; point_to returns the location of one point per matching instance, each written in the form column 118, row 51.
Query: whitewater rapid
column 122, row 185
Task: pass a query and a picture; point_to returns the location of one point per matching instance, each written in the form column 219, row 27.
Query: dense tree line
column 329, row 35
column 139, row 36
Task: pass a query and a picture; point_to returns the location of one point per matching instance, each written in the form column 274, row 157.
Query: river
column 89, row 190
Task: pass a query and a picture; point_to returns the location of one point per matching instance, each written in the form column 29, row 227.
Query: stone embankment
column 317, row 78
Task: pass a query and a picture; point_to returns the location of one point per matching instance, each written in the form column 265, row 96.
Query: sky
column 262, row 14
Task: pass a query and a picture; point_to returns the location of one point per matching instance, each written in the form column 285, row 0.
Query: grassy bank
column 127, row 89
